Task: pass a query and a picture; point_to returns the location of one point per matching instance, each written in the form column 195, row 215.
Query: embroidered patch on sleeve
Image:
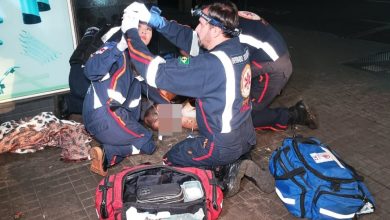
column 184, row 60
column 101, row 50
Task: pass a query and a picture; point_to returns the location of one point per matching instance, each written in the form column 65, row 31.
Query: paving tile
column 4, row 192
column 91, row 212
column 382, row 176
column 32, row 213
column 90, row 202
column 85, row 195
column 80, row 189
column 6, row 212
column 90, row 181
column 79, row 214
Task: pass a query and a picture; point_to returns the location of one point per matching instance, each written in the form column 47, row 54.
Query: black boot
column 301, row 114
column 237, row 170
column 260, row 176
column 232, row 175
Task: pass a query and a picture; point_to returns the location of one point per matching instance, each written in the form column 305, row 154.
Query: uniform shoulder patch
column 101, row 50
column 183, row 60
column 246, row 81
column 105, row 47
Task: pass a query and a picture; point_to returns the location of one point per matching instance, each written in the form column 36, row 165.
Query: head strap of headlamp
column 197, row 12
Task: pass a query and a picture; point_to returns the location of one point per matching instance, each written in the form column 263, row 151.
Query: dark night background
column 355, row 19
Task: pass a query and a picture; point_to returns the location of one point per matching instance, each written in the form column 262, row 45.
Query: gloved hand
column 141, row 10
column 130, row 20
column 156, row 21
column 122, row 45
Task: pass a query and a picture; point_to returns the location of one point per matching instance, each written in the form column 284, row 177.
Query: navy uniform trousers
column 268, row 83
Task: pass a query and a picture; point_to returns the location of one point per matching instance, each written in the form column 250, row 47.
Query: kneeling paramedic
column 111, row 109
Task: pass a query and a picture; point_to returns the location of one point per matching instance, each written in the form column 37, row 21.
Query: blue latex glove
column 156, row 21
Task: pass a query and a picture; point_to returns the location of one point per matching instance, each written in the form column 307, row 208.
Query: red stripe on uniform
column 268, row 128
column 204, row 116
column 260, row 78
column 113, row 84
column 265, row 88
column 207, row 155
column 118, row 73
column 121, row 123
column 112, row 163
column 281, row 126
column 257, row 65
column 139, row 59
column 139, row 53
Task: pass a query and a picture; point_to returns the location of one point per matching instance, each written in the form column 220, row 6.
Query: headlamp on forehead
column 197, row 12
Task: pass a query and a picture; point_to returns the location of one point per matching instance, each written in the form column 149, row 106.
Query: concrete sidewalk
column 355, row 121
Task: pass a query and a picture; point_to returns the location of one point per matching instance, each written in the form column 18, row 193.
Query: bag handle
column 214, row 199
column 103, row 205
column 291, row 174
column 213, row 181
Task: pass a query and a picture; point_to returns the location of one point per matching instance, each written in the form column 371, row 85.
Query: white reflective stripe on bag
column 289, row 201
column 335, row 214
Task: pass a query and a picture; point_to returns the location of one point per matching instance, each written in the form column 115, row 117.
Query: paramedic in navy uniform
column 219, row 79
column 271, row 69
column 111, row 109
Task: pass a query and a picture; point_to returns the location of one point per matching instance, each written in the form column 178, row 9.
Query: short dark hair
column 151, row 116
column 226, row 12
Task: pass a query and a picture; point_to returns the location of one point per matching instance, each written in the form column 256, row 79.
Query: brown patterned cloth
column 45, row 130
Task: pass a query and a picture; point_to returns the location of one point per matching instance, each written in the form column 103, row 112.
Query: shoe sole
column 262, row 178
column 237, row 180
column 97, row 162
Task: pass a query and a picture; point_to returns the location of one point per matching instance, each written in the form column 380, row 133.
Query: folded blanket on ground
column 45, row 130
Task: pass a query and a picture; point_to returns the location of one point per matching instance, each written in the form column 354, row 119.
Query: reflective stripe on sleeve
column 230, row 92
column 117, row 96
column 107, row 76
column 134, row 103
column 246, row 39
column 96, row 101
column 135, row 150
column 152, row 71
column 194, row 44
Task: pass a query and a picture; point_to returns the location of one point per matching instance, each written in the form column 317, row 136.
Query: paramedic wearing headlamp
column 219, row 80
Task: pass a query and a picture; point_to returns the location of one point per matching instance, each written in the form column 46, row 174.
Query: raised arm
column 180, row 35
column 100, row 62
column 183, row 76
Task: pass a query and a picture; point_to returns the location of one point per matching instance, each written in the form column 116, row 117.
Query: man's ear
column 216, row 31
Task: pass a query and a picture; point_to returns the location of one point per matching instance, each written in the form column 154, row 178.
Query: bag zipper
column 103, row 204
column 322, row 192
column 302, row 195
column 176, row 170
